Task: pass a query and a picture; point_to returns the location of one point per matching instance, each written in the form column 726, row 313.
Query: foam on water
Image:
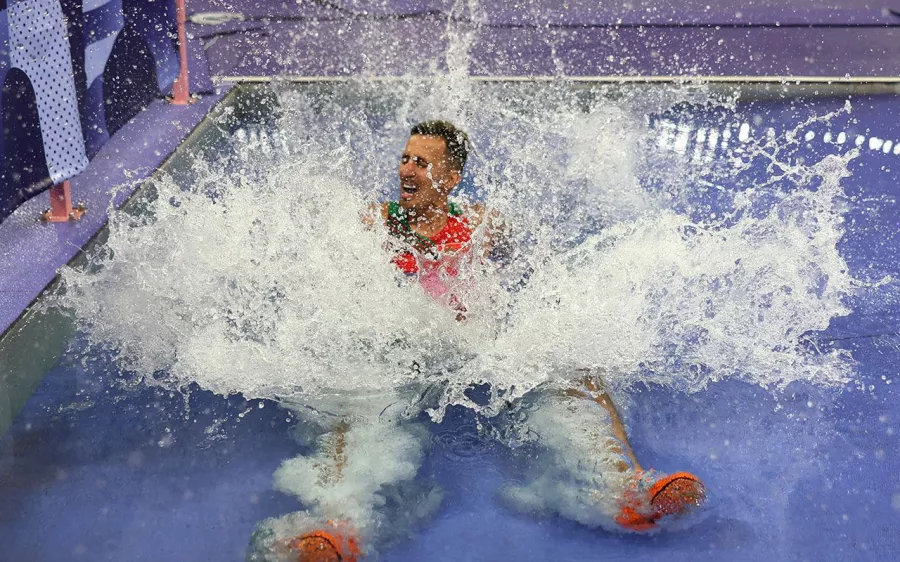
column 259, row 276
column 689, row 303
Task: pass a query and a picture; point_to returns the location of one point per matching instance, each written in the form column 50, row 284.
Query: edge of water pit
column 627, row 79
column 33, row 252
column 747, row 88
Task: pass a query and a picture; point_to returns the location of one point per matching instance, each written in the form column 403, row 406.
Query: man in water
column 594, row 476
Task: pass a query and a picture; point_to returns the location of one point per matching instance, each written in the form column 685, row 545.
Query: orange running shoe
column 324, row 546
column 650, row 496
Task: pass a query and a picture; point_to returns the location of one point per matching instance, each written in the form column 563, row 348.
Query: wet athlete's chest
column 453, row 235
column 429, row 251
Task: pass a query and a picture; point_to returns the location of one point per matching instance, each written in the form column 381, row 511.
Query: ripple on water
column 461, row 444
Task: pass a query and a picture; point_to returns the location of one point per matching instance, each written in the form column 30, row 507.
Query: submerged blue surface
column 91, row 471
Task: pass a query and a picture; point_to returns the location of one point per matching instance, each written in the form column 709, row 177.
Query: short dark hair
column 458, row 143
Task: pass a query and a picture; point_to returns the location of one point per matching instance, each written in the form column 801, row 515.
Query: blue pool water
column 94, row 471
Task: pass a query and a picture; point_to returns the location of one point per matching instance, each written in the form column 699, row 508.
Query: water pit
column 728, row 261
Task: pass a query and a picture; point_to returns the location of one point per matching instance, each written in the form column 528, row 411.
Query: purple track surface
column 363, row 49
column 577, row 12
column 31, row 251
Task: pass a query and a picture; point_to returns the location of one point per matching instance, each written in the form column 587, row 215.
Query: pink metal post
column 180, row 91
column 61, row 209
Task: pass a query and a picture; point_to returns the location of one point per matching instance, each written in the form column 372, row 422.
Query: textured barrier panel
column 39, row 47
column 87, row 67
column 102, row 25
column 35, row 44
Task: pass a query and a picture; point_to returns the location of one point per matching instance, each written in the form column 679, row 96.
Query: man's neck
column 432, row 214
column 429, row 220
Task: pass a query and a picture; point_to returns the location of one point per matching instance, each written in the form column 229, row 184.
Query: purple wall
column 261, row 38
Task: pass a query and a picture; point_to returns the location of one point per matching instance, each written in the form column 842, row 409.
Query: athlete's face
column 426, row 174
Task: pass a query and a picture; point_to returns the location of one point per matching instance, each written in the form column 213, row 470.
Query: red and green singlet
column 455, row 235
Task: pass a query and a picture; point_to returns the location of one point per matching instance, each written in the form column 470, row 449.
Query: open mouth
column 407, row 191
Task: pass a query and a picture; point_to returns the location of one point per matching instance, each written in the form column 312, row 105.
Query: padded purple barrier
column 103, row 23
column 576, row 13
column 74, row 72
column 261, row 38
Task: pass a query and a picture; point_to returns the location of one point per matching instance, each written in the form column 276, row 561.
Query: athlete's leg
column 578, row 470
column 591, row 387
column 649, row 495
column 361, row 463
column 589, row 472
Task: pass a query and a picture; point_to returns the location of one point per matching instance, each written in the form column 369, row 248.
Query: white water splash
column 259, row 276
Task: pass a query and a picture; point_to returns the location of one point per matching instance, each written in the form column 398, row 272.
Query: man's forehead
column 427, row 145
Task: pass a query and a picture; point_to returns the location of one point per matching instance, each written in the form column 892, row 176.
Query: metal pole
column 180, row 91
column 61, row 209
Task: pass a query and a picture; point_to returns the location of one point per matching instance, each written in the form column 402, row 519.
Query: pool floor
column 93, row 472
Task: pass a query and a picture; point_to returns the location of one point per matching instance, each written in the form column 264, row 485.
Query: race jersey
column 435, row 260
